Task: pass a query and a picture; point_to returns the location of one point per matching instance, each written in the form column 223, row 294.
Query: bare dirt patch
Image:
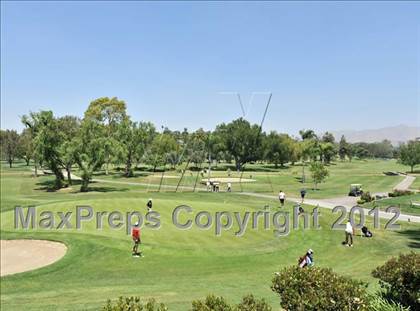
column 25, row 255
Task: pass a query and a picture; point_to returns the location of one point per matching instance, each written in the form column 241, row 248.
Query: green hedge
column 400, row 278
column 134, row 304
column 318, row 289
column 213, row 303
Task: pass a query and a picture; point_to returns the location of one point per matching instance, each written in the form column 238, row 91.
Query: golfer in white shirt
column 349, row 234
column 282, row 197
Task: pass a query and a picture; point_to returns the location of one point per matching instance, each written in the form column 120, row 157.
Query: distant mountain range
column 395, row 134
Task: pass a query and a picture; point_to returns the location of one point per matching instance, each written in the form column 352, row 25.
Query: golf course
column 209, row 155
column 183, row 265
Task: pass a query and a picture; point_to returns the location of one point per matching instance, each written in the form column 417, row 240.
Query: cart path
column 405, row 184
column 331, row 203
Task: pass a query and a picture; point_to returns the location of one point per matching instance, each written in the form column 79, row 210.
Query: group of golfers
column 304, row 261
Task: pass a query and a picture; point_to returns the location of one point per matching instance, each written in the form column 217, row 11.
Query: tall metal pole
column 208, row 174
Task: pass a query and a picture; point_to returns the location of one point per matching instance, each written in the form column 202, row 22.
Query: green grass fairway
column 404, row 203
column 271, row 180
column 416, row 184
column 182, row 265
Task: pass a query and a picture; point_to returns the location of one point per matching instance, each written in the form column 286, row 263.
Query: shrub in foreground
column 378, row 303
column 400, row 278
column 318, row 289
column 213, row 303
column 249, row 303
column 134, row 304
column 399, row 193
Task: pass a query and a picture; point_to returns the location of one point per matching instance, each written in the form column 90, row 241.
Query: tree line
column 106, row 135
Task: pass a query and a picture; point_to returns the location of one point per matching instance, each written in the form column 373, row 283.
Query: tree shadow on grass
column 105, row 189
column 93, row 187
column 117, row 175
column 413, row 235
column 48, row 185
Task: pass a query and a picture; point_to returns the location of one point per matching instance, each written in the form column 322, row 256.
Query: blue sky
column 329, row 65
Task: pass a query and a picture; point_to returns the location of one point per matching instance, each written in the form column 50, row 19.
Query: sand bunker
column 24, row 255
column 227, row 179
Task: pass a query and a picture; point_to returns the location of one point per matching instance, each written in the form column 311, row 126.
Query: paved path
column 331, row 203
column 405, row 183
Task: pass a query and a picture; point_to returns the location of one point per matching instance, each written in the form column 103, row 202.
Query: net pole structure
column 240, row 177
column 265, row 112
column 209, row 172
column 259, row 133
column 155, row 163
column 154, row 171
column 271, row 184
column 196, row 177
column 182, row 175
column 209, row 147
column 163, row 174
column 186, row 166
column 240, row 103
column 261, row 124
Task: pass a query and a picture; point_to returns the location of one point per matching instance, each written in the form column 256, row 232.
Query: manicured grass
column 404, row 203
column 179, row 265
column 416, row 184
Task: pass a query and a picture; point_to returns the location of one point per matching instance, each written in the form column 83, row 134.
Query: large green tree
column 198, row 147
column 328, row 151
column 410, row 154
column 242, row 140
column 309, row 150
column 109, row 112
column 89, row 150
column 278, row 148
column 69, row 127
column 9, row 145
column 146, row 133
column 319, row 172
column 162, row 145
column 129, row 141
column 328, row 138
column 307, row 134
column 343, row 148
column 31, row 123
column 47, row 142
column 133, row 139
column 26, row 146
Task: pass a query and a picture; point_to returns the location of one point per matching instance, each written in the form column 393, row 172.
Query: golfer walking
column 282, row 197
column 302, row 194
column 149, row 205
column 135, row 234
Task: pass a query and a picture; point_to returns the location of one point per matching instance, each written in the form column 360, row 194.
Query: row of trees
column 106, row 135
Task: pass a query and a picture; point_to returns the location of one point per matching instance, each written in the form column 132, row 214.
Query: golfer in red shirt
column 135, row 234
